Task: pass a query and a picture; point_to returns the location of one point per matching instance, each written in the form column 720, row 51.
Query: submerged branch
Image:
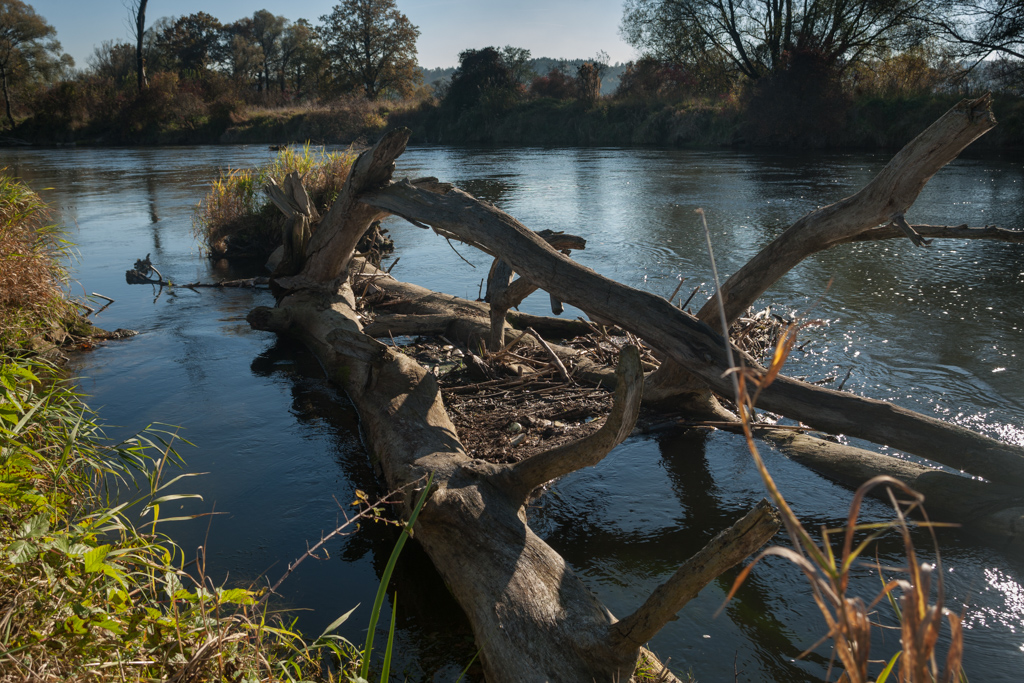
column 725, row 550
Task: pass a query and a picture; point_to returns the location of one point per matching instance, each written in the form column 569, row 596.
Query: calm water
column 934, row 329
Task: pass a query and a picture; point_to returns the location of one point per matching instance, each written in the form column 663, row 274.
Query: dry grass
column 236, row 219
column 828, row 573
column 32, row 256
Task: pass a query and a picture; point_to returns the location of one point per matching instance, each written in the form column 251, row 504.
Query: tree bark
column 882, row 202
column 532, row 618
column 140, row 33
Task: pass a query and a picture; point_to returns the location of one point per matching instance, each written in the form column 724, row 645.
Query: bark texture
column 532, row 617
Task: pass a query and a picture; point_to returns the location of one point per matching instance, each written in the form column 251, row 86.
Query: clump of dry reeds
column 828, row 574
column 236, row 219
column 32, row 269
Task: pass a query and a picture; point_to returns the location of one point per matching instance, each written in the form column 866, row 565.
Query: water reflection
column 930, row 328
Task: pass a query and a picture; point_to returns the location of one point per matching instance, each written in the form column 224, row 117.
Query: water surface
column 933, row 329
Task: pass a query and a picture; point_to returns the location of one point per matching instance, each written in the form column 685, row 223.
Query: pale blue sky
column 548, row 28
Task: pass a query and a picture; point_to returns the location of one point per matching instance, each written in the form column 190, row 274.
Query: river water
column 936, row 330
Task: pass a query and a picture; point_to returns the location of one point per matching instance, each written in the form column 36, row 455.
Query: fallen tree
column 532, row 618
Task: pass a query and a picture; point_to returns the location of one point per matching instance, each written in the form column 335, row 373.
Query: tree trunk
column 7, row 98
column 533, row 619
column 140, row 32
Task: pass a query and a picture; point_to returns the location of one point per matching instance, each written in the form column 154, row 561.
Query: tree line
column 774, row 55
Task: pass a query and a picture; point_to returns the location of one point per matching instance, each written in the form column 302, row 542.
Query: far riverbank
column 870, row 123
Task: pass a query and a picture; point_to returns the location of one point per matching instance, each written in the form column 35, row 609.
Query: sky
column 548, row 28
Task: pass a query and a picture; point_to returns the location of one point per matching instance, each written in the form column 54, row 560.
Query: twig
column 102, row 296
column 505, row 349
column 393, row 264
column 457, row 251
column 551, row 352
column 676, row 290
column 690, row 298
column 368, row 512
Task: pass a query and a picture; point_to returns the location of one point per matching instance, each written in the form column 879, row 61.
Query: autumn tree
column 28, row 49
column 371, row 45
column 113, row 59
column 757, row 38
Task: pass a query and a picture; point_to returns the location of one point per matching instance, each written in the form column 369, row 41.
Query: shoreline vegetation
column 86, row 591
column 867, row 122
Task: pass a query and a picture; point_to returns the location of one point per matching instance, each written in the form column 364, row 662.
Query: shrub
column 557, row 84
column 33, row 307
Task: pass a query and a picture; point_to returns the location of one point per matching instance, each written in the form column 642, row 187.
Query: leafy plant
column 33, row 253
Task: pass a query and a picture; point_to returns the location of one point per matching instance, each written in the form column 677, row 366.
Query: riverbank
column 86, row 589
column 868, row 122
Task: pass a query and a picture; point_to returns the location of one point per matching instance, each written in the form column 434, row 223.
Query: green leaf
column 339, row 621
column 35, row 527
column 75, row 624
column 20, row 552
column 94, row 559
column 888, row 668
column 237, row 596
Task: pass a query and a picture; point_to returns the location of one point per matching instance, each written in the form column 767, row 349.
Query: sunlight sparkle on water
column 1010, row 613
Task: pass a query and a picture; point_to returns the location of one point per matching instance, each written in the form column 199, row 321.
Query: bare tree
column 137, row 28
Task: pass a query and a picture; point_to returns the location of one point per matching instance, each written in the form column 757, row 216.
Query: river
column 935, row 329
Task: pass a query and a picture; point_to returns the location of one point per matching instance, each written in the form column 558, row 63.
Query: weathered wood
column 891, row 193
column 533, row 619
column 523, row 477
column 724, row 551
column 692, row 344
column 335, row 239
column 888, row 196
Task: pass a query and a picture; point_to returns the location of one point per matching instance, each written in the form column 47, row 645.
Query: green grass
column 86, row 591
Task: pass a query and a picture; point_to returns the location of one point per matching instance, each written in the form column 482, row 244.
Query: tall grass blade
column 385, row 672
column 385, row 578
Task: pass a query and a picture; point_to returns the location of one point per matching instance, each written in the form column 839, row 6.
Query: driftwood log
column 532, row 618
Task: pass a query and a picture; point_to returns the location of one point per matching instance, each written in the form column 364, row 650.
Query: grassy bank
column 87, row 592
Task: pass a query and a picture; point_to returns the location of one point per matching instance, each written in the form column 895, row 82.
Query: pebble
column 518, row 440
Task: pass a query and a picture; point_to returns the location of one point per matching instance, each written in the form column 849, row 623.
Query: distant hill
column 541, row 66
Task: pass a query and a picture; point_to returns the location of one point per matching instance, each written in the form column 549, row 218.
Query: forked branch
column 523, row 477
column 725, row 550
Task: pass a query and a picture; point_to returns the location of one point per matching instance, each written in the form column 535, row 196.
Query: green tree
column 301, row 55
column 757, row 37
column 371, row 45
column 192, row 41
column 483, row 77
column 267, row 30
column 28, row 49
column 241, row 55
